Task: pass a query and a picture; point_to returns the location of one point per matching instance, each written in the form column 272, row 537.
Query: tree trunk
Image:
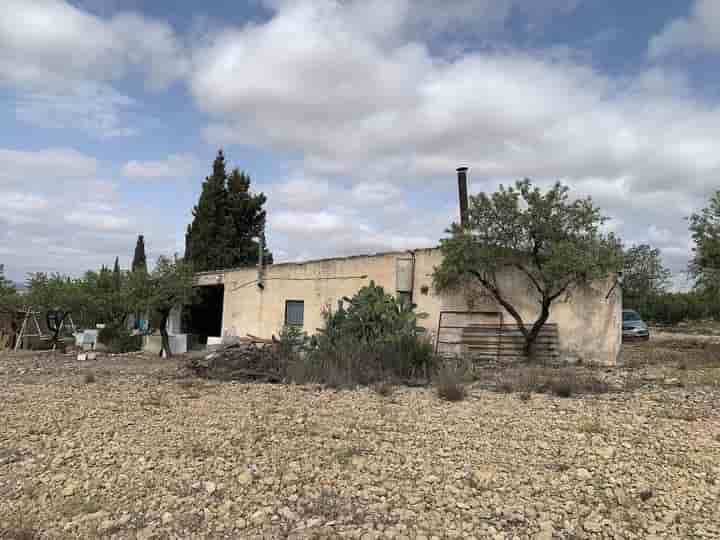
column 163, row 333
column 534, row 332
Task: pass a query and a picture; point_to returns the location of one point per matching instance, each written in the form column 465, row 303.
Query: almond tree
column 555, row 242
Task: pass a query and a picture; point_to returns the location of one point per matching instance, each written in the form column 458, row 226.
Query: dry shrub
column 384, row 389
column 562, row 382
column 686, row 354
column 449, row 381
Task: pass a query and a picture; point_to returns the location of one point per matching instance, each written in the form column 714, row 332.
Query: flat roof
column 314, row 261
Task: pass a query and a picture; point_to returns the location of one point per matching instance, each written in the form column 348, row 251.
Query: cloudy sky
column 351, row 115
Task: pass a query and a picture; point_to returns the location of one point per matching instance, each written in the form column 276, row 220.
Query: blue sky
column 351, row 116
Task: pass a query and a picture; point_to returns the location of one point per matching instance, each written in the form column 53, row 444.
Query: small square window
column 294, row 312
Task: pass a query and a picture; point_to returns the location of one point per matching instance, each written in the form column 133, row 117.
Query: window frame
column 287, row 304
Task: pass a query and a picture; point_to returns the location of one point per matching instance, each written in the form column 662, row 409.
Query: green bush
column 292, row 341
column 118, row 339
column 107, row 334
column 124, row 343
column 376, row 338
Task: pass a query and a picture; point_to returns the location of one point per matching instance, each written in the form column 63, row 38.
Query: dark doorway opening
column 204, row 318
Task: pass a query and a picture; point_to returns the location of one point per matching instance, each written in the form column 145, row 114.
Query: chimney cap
column 462, row 169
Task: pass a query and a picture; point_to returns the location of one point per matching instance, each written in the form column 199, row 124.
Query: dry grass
column 561, row 382
column 449, row 381
column 384, row 389
column 684, row 354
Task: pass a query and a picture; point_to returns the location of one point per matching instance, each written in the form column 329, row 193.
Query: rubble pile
column 246, row 360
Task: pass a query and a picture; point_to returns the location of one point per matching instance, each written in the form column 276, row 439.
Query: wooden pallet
column 497, row 341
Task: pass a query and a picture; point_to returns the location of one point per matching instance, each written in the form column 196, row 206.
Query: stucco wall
column 589, row 324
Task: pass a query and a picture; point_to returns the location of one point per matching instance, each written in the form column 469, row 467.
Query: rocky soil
column 125, row 447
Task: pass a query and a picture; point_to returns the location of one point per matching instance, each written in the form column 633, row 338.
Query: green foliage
column 225, row 220
column 555, row 242
column 97, row 297
column 117, row 276
column 9, row 299
column 376, row 338
column 644, row 274
column 373, row 317
column 705, row 232
column 139, row 262
column 673, row 308
column 119, row 339
column 292, row 341
column 169, row 285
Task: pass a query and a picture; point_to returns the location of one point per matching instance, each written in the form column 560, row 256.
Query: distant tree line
column 647, row 281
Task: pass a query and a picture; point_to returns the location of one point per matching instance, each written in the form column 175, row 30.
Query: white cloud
column 174, row 167
column 52, row 42
column 699, row 32
column 97, row 221
column 56, row 215
column 26, row 167
column 363, row 102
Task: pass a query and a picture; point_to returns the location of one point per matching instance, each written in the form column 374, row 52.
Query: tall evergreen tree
column 117, row 278
column 248, row 219
column 203, row 241
column 139, row 262
column 225, row 220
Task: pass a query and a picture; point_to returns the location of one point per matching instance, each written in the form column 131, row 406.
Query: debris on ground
column 243, row 360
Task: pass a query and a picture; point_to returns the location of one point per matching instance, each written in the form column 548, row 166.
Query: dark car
column 633, row 327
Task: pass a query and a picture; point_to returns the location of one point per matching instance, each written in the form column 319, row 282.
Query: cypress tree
column 203, row 241
column 117, row 279
column 225, row 220
column 248, row 217
column 139, row 262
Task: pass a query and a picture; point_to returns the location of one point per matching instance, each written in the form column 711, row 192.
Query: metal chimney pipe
column 261, row 256
column 463, row 196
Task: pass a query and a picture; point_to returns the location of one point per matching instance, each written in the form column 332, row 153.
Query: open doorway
column 204, row 318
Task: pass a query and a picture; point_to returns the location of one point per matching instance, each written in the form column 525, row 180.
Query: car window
column 630, row 316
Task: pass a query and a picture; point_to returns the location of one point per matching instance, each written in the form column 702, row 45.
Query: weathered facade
column 260, row 302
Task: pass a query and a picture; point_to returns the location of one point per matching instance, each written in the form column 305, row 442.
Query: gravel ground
column 141, row 453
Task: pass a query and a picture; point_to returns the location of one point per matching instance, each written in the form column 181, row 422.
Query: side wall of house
column 589, row 324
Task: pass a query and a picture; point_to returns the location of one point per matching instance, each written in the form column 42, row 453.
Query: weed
column 344, row 456
column 154, row 399
column 384, row 389
column 449, row 382
column 593, row 426
column 564, row 382
column 90, row 507
column 525, row 396
column 686, row 415
column 328, row 504
column 89, row 378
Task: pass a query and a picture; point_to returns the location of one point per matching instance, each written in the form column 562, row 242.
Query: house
column 584, row 325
